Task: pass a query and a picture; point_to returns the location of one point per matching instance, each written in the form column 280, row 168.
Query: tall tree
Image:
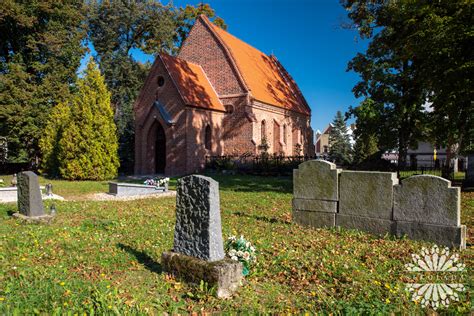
column 340, row 149
column 40, row 51
column 80, row 141
column 116, row 29
column 430, row 41
column 441, row 38
column 368, row 122
column 390, row 79
column 188, row 15
column 119, row 27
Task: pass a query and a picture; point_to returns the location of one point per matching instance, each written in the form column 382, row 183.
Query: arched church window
column 160, row 81
column 284, row 133
column 229, row 108
column 263, row 130
column 207, row 137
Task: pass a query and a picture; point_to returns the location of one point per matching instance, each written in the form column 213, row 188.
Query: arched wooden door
column 160, row 149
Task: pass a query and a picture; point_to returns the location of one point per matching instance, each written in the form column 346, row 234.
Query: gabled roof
column 192, row 83
column 264, row 76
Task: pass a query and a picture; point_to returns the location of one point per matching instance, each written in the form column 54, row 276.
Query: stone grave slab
column 316, row 179
column 367, row 193
column 450, row 236
column 314, row 219
column 427, row 199
column 375, row 226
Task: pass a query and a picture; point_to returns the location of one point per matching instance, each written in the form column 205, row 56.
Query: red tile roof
column 264, row 76
column 192, row 83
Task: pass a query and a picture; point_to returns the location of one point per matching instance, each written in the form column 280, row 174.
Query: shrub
column 80, row 141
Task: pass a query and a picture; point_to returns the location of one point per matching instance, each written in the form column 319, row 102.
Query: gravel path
column 110, row 197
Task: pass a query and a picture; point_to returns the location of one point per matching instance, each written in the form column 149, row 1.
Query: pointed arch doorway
column 160, row 149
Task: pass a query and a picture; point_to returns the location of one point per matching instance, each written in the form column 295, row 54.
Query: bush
column 80, row 141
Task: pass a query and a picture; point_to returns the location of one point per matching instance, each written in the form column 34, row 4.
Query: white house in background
column 322, row 139
column 425, row 153
column 424, row 156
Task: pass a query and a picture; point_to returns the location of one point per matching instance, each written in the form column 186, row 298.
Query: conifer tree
column 365, row 147
column 80, row 141
column 58, row 120
column 340, row 149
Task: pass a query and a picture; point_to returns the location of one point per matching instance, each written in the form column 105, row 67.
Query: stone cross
column 30, row 202
column 198, row 230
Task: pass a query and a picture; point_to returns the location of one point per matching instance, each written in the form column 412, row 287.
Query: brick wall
column 235, row 132
column 201, row 47
column 147, row 117
column 196, row 152
column 237, row 125
column 297, row 125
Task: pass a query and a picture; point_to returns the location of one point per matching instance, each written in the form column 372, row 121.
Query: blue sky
column 307, row 37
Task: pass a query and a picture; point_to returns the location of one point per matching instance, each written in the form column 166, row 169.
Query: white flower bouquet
column 239, row 249
column 158, row 182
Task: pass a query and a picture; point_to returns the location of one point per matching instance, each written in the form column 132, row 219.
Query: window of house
column 284, row 134
column 207, row 137
column 325, row 149
column 160, row 81
column 263, row 130
column 229, row 108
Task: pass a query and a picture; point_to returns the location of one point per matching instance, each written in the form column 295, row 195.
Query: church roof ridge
column 263, row 75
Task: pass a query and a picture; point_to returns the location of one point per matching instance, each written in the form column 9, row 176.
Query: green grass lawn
column 104, row 257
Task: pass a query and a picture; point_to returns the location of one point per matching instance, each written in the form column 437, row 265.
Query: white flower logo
column 434, row 260
column 435, row 294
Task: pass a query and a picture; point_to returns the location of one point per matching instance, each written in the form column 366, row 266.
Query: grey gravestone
column 49, row 189
column 314, row 219
column 315, row 192
column 367, row 193
column 375, row 226
column 427, row 199
column 30, row 202
column 451, row 236
column 198, row 231
column 316, row 179
column 198, row 252
column 315, row 205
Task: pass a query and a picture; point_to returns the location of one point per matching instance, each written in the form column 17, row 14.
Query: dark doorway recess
column 160, row 149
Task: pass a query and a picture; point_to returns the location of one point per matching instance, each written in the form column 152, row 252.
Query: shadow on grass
column 248, row 183
column 8, row 209
column 143, row 258
column 262, row 218
column 467, row 189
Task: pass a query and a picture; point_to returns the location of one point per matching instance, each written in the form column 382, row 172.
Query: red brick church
column 219, row 96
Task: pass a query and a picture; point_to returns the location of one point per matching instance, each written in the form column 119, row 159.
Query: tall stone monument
column 198, row 252
column 30, row 202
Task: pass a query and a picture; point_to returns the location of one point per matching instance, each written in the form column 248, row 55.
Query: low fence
column 257, row 165
column 284, row 165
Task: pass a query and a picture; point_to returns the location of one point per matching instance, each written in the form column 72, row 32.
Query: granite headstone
column 198, row 231
column 198, row 252
column 30, row 202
